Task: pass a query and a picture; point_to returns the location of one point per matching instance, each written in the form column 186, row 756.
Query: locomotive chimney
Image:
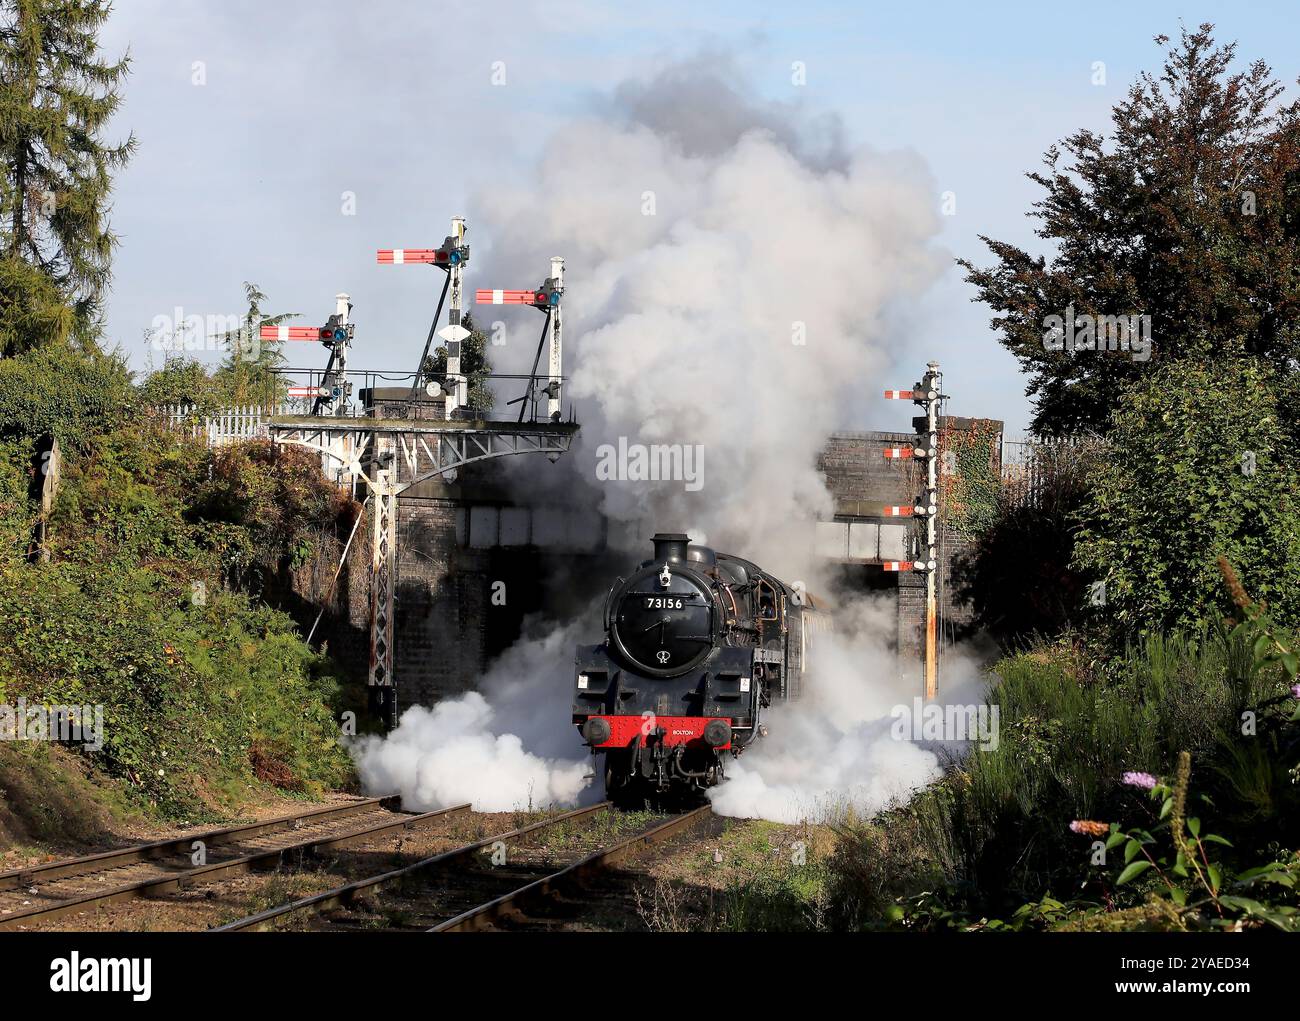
column 670, row 547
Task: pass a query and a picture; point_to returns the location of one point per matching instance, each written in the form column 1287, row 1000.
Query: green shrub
column 1201, row 463
column 994, row 833
column 57, row 391
column 182, row 381
column 196, row 683
column 205, row 689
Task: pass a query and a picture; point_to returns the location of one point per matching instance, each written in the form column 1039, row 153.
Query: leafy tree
column 248, row 375
column 64, row 393
column 474, row 366
column 182, row 381
column 1199, row 465
column 57, row 95
column 1190, row 213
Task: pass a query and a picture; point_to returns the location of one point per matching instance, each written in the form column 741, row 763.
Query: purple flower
column 1295, row 690
column 1144, row 780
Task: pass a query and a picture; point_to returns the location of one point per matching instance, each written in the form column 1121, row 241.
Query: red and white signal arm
column 897, row 565
column 899, row 453
column 898, row 395
column 411, row 256
column 499, row 296
column 279, row 333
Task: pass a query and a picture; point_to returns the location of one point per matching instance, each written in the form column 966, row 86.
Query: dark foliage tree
column 57, row 95
column 1189, row 213
column 1018, row 574
column 474, row 366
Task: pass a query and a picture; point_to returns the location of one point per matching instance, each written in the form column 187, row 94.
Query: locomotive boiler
column 697, row 645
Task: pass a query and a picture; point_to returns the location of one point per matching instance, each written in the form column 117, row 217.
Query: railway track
column 34, row 895
column 457, row 891
column 513, row 905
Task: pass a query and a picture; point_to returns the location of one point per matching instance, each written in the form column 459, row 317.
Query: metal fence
column 224, row 425
column 1034, row 467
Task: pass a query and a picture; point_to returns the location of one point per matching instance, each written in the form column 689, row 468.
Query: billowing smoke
column 502, row 748
column 737, row 280
column 837, row 752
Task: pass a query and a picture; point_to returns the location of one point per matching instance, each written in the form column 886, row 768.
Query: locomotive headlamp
column 717, row 733
column 597, row 730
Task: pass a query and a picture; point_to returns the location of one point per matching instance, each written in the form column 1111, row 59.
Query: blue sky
column 240, row 177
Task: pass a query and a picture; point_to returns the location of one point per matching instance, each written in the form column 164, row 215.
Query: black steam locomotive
column 697, row 645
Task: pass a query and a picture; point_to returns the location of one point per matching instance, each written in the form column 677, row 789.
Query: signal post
column 928, row 393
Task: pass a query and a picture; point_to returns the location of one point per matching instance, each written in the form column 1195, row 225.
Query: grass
column 993, row 834
column 771, row 878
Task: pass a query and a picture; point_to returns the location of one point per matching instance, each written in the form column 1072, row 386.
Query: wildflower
column 1144, row 780
column 1180, row 801
column 1090, row 828
column 1235, row 587
column 1295, row 690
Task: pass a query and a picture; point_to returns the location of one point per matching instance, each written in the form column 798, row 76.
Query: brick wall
column 860, row 480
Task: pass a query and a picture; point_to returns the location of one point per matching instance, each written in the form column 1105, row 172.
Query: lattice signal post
column 336, row 334
column 929, row 394
column 451, row 257
column 390, row 456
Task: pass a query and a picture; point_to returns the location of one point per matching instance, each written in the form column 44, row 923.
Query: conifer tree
column 1189, row 213
column 57, row 95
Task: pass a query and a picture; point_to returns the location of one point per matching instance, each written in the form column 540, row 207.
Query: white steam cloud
column 834, row 752
column 506, row 747
column 734, row 279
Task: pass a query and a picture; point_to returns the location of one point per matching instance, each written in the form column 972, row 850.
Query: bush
column 205, row 690
column 1201, row 463
column 57, row 391
column 182, row 381
column 266, row 508
column 1018, row 576
column 195, row 684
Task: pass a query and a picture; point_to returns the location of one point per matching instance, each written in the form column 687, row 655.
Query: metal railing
column 223, row 425
column 1034, row 466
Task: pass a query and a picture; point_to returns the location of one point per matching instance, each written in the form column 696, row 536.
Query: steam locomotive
column 697, row 644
